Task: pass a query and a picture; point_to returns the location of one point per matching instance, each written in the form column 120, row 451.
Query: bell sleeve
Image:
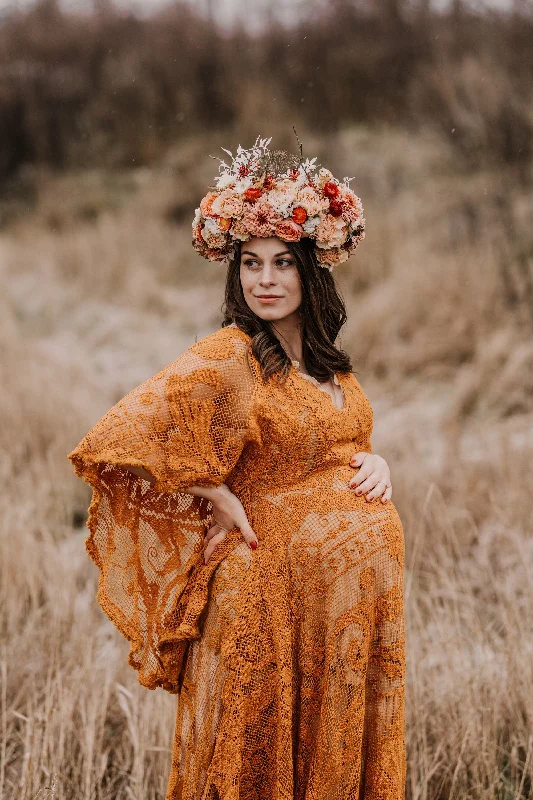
column 186, row 425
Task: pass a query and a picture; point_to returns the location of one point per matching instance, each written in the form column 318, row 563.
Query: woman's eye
column 282, row 262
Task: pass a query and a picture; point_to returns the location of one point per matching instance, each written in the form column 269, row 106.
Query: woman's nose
column 267, row 275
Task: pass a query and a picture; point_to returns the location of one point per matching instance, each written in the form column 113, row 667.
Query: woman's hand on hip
column 373, row 478
column 228, row 513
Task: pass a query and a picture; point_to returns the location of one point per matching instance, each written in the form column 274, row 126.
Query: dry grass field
column 101, row 289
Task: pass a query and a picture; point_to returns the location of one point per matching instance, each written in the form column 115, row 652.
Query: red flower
column 331, row 189
column 243, row 170
column 299, row 214
column 269, row 182
column 293, row 174
column 253, row 194
column 223, row 223
column 335, row 208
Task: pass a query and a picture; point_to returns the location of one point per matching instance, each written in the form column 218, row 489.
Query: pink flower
column 216, row 240
column 352, row 209
column 205, row 204
column 330, row 232
column 261, row 219
column 289, row 231
column 215, row 254
column 332, row 256
column 228, row 204
column 238, row 230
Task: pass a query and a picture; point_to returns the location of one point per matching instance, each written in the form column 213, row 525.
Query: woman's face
column 269, row 278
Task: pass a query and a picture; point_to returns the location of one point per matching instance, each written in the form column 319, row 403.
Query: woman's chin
column 270, row 314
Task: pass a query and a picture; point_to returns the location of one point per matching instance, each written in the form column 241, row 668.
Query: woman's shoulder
column 227, row 343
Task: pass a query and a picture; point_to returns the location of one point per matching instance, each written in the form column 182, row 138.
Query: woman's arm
column 228, row 512
column 211, row 493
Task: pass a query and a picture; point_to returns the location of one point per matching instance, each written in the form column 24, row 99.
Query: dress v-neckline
column 310, row 379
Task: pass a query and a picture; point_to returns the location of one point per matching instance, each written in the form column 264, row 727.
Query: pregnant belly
column 323, row 515
column 333, row 543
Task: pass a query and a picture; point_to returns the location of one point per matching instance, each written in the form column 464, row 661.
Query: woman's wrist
column 215, row 494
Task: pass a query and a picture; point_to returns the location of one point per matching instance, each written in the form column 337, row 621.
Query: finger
column 213, row 530
column 358, row 458
column 364, row 482
column 387, row 494
column 219, row 537
column 368, row 484
column 375, row 475
column 248, row 534
column 364, row 472
column 377, row 491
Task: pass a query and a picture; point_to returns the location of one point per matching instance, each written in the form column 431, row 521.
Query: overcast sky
column 227, row 11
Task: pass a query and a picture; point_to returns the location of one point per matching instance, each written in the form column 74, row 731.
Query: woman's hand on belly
column 373, row 478
column 228, row 513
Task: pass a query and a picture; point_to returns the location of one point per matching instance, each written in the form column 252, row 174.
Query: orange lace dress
column 288, row 661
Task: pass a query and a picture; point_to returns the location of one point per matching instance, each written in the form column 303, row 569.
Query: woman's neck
column 289, row 332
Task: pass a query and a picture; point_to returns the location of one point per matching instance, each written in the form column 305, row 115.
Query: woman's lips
column 267, row 298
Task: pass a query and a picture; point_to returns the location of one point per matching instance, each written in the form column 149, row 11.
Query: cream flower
column 302, row 177
column 243, row 184
column 226, row 179
column 309, row 199
column 311, row 223
column 324, row 176
column 282, row 196
column 197, row 217
column 212, row 234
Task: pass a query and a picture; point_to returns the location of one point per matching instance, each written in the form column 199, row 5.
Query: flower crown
column 276, row 193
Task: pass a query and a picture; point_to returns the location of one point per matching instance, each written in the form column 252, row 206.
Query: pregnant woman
column 246, row 541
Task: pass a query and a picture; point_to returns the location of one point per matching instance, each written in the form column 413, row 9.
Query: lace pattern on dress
column 289, row 660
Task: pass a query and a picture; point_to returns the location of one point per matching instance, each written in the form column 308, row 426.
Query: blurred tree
column 112, row 88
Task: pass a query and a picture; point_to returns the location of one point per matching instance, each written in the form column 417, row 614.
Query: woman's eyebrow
column 255, row 254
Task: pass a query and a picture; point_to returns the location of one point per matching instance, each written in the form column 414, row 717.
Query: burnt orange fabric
column 288, row 661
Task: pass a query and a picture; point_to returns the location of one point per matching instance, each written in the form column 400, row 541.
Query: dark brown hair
column 323, row 315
